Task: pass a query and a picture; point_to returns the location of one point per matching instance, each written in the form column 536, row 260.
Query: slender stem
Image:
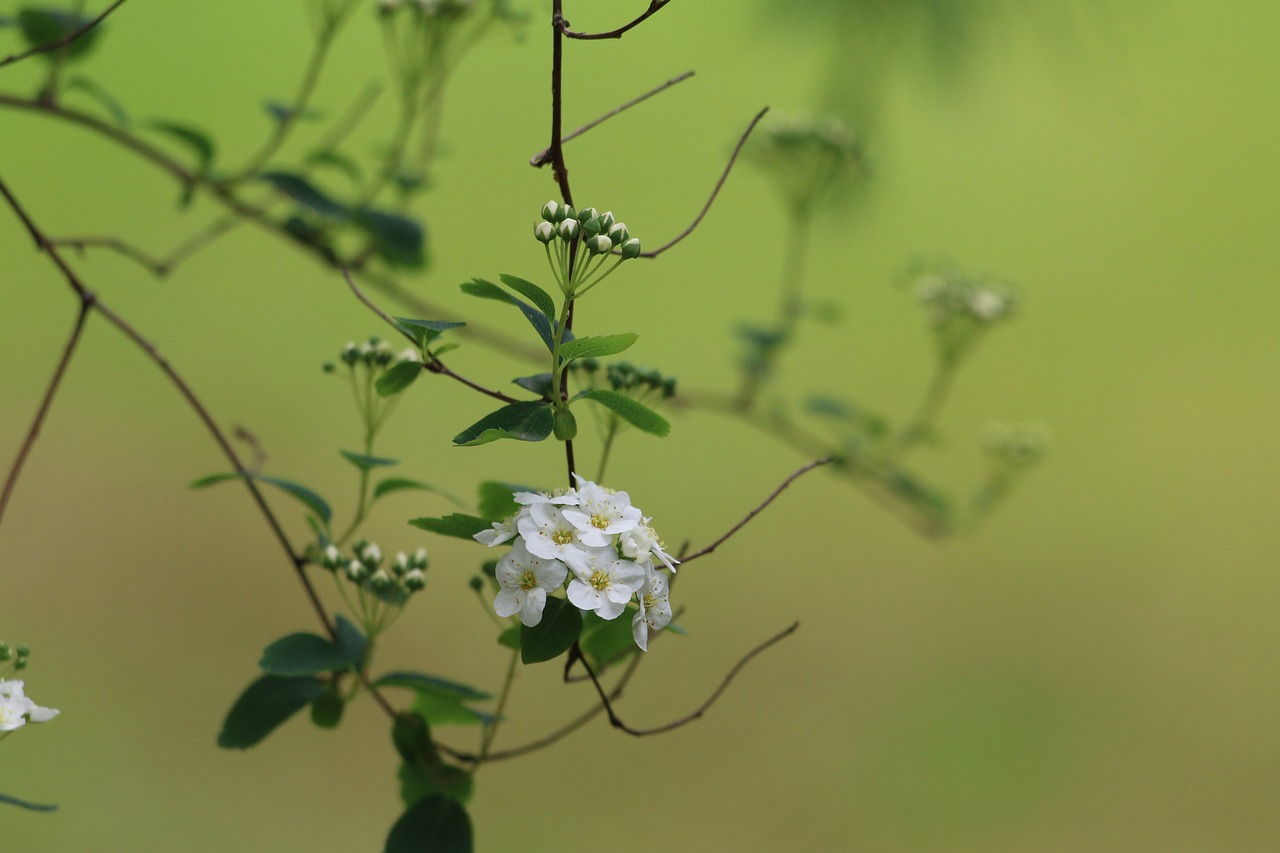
column 610, row 434
column 491, row 730
column 654, row 7
column 64, row 41
column 133, row 253
column 789, row 303
column 926, row 414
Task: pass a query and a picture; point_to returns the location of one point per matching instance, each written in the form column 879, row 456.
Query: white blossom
column 501, row 531
column 603, row 581
column 16, row 710
column 601, row 513
column 655, row 609
column 642, row 542
column 548, row 534
column 525, row 581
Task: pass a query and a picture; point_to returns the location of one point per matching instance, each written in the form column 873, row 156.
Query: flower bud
column 415, row 580
column 419, row 558
column 618, row 233
column 587, row 213
column 544, row 232
column 568, row 230
column 356, row 571
column 330, row 557
column 401, row 563
column 607, row 221
column 380, row 580
column 24, row 650
column 600, row 244
column 371, row 554
column 631, row 248
column 349, row 353
column 476, row 583
column 566, row 212
column 591, row 227
column 565, row 425
column 5, row 651
column 550, row 211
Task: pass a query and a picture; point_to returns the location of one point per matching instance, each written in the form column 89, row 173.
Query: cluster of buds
column 1015, row 446
column 807, row 156
column 626, row 378
column 396, row 581
column 16, row 709
column 597, row 237
column 374, row 354
column 596, row 535
column 949, row 296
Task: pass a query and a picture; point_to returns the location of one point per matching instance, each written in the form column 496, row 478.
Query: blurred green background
column 1094, row 669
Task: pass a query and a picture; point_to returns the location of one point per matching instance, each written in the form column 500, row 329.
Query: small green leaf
column 364, row 463
column 326, row 712
column 398, row 378
column 423, row 332
column 457, row 525
column 539, row 383
column 436, row 823
column 283, row 112
column 418, row 781
column 264, row 705
column 46, row 26
column 101, row 95
column 399, row 240
column 351, row 642
column 561, row 625
column 525, row 421
column 303, row 654
column 313, row 501
column 412, row 738
column 194, row 138
column 496, row 501
column 304, row 193
column 541, row 322
column 420, row 683
column 510, row 637
column 597, row 346
column 636, row 414
column 532, row 292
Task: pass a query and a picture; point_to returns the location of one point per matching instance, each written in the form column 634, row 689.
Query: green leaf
column 525, row 421
column 496, row 501
column 538, row 383
column 412, row 738
column 636, row 414
column 561, row 625
column 200, row 143
column 597, row 346
column 266, row 704
column 423, row 332
column 364, row 463
column 457, row 525
column 436, row 823
column 283, row 112
column 541, row 322
column 399, row 240
column 418, row 781
column 326, row 712
column 341, row 162
column 351, row 642
column 441, row 710
column 303, row 654
column 398, row 378
column 400, row 484
column 420, row 683
column 304, row 193
column 99, row 94
column 532, row 292
column 313, row 501
column 23, row 804
column 46, row 26
column 510, row 637
column 608, row 640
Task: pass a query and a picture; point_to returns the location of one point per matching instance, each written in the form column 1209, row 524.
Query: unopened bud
column 550, row 211
column 415, row 580
column 419, row 558
column 631, row 248
column 568, row 230
column 600, row 244
column 607, row 220
column 618, row 233
column 565, row 425
column 587, row 213
column 544, row 232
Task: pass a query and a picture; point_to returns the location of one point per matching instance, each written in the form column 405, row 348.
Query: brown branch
column 617, row 722
column 724, row 176
column 62, row 42
column 544, row 157
column 795, row 475
column 654, row 7
column 133, row 253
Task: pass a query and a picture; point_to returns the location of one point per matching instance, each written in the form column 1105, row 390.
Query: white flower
column 525, row 581
column 548, row 534
column 603, row 581
column 642, row 542
column 601, row 513
column 655, row 609
column 569, row 498
column 16, row 710
column 501, row 532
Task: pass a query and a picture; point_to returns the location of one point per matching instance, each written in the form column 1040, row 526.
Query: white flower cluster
column 598, row 536
column 16, row 710
column 1016, row 445
column 948, row 296
column 375, row 352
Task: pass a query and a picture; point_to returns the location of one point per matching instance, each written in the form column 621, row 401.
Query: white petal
column 534, row 601
column 508, row 602
column 640, row 630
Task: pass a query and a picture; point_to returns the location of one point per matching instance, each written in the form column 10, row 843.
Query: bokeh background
column 1095, row 668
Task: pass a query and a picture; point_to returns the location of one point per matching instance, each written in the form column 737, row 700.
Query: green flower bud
column 606, row 221
column 591, row 227
column 600, row 244
column 544, row 232
column 565, row 425
column 5, row 651
column 20, row 663
column 24, row 650
column 566, row 212
column 618, row 233
column 415, row 580
column 631, row 248
column 587, row 213
column 568, row 230
column 551, row 211
column 476, row 583
column 326, row 712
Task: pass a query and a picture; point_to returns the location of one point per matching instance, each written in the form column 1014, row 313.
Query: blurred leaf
column 266, row 704
column 303, row 654
column 419, row 781
column 412, row 738
column 420, row 683
column 351, row 642
column 525, row 421
column 200, row 143
column 398, row 378
column 46, row 26
column 400, row 484
column 326, row 712
column 23, row 804
column 457, row 525
column 99, row 94
column 510, row 637
column 532, row 292
column 341, row 162
column 364, row 463
column 424, row 332
column 399, row 240
column 302, row 191
column 435, row 823
column 283, row 112
column 313, row 501
column 496, row 501
column 561, row 625
column 605, row 641
column 597, row 346
column 636, row 414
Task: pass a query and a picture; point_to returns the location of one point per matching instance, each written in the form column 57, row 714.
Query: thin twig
column 724, row 176
column 654, row 7
column 62, row 42
column 133, row 253
column 544, row 157
column 795, row 475
column 617, row 722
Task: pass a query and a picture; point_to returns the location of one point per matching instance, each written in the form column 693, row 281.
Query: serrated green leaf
column 99, row 94
column 45, row 26
column 597, row 346
column 194, row 138
column 457, row 525
column 264, row 705
column 313, row 501
column 397, row 378
column 437, row 823
column 532, row 292
column 364, row 463
column 351, row 641
column 302, row 191
column 398, row 240
column 303, row 654
column 560, row 627
column 524, row 421
column 636, row 414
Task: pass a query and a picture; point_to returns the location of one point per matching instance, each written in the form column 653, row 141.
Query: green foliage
column 525, row 421
column 199, row 142
column 597, row 346
column 365, row 463
column 326, row 712
column 302, row 191
column 560, row 627
column 496, row 501
column 41, row 26
column 457, row 525
column 397, row 240
column 101, row 96
column 23, row 804
column 540, row 321
column 303, row 654
column 532, row 292
column 436, row 823
column 264, row 705
column 401, row 484
column 309, row 498
column 424, row 332
column 636, row 414
column 397, row 378
column 605, row 641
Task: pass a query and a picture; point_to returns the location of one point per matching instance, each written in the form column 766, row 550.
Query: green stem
column 491, row 731
column 926, row 414
column 608, row 446
column 789, row 302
